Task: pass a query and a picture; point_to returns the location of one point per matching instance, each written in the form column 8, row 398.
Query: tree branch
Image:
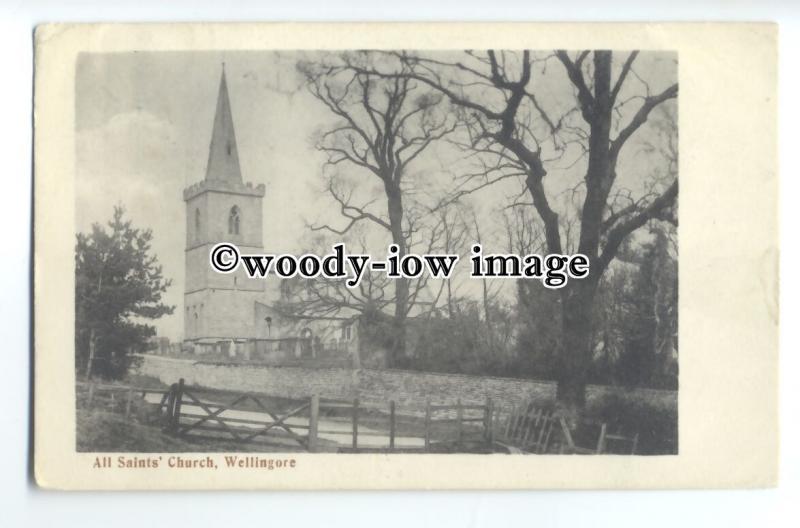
column 641, row 117
column 575, row 75
column 624, row 73
column 623, row 229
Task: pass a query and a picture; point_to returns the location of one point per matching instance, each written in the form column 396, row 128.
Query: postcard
column 405, row 256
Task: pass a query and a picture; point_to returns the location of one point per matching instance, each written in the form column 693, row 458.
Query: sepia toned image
column 524, row 152
column 388, row 256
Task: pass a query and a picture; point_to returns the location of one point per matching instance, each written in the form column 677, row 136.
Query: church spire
column 223, row 158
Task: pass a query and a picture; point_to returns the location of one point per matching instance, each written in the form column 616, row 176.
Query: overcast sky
column 143, row 129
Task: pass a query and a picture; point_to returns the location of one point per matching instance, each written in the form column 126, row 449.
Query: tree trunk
column 395, row 203
column 400, row 309
column 90, row 361
column 575, row 357
column 92, row 334
column 577, row 299
column 487, row 318
column 449, row 299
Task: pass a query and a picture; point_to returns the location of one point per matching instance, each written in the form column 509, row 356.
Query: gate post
column 355, row 423
column 460, row 419
column 176, row 409
column 169, row 396
column 128, row 403
column 489, row 423
column 427, row 425
column 392, row 425
column 313, row 420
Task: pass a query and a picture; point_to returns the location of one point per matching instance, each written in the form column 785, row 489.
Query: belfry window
column 233, row 221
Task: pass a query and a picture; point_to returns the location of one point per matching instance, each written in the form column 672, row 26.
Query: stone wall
column 413, row 388
column 290, row 382
column 409, row 389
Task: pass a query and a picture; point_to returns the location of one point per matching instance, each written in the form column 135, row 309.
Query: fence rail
column 111, row 395
column 323, row 424
column 316, row 424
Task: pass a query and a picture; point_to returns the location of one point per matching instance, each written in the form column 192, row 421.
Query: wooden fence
column 324, row 425
column 528, row 429
column 446, row 426
column 317, row 424
column 113, row 396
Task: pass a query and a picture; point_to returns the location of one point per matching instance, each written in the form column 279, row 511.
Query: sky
column 143, row 127
column 143, row 131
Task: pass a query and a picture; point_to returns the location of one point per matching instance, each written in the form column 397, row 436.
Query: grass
column 143, row 381
column 103, row 431
column 100, row 430
column 102, row 427
column 657, row 426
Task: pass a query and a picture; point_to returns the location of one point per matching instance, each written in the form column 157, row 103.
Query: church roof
column 223, row 157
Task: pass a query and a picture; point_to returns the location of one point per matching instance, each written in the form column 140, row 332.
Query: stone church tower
column 221, row 208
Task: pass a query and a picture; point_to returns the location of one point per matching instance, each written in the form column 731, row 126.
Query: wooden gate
column 527, row 429
column 251, row 417
column 245, row 418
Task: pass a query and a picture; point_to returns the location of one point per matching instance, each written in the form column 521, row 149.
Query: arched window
column 197, row 223
column 233, row 221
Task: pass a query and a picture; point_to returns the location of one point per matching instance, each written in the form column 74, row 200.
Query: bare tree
column 455, row 234
column 382, row 126
column 519, row 135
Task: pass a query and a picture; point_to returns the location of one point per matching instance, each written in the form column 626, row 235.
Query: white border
column 24, row 503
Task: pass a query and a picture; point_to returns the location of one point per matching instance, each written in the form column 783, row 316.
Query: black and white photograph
column 408, row 264
column 350, row 175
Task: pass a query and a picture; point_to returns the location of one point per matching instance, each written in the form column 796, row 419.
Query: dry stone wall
column 409, row 389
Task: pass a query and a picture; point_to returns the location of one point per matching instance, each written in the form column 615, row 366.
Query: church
column 230, row 315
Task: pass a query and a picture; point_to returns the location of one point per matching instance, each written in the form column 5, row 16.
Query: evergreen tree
column 118, row 284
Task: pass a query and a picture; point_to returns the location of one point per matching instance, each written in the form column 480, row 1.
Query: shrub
column 657, row 425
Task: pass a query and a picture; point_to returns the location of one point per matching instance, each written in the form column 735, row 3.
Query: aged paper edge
column 728, row 238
